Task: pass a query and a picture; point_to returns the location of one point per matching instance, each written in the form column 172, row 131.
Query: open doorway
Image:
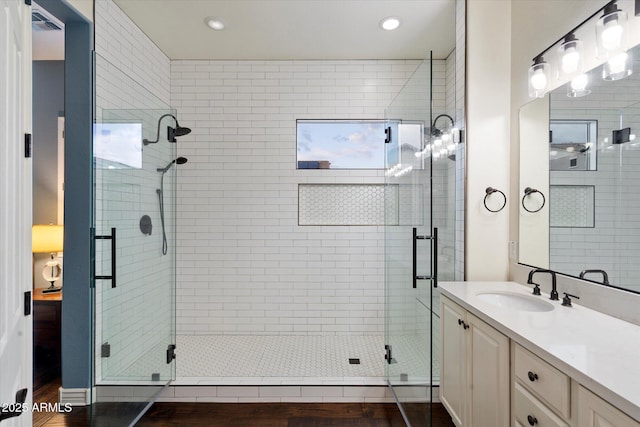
column 48, row 66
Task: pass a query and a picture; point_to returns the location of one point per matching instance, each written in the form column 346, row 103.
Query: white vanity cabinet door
column 453, row 362
column 489, row 375
column 596, row 412
column 474, row 372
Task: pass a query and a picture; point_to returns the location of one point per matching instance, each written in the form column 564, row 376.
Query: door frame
column 16, row 285
column 77, row 316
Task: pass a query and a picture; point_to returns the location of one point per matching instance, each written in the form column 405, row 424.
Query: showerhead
column 172, row 133
column 179, row 160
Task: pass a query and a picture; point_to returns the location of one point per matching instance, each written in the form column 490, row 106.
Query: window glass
column 340, row 144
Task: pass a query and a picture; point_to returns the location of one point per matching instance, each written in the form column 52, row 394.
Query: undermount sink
column 515, row 301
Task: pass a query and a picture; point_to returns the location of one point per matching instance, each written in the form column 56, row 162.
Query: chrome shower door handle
column 111, row 277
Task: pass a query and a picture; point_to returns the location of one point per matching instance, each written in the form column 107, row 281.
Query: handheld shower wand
column 160, row 193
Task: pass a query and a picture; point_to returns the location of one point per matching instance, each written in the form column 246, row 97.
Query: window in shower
column 355, row 144
column 117, row 145
column 340, row 144
column 573, row 145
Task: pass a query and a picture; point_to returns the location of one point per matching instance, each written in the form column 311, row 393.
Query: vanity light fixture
column 610, row 31
column 611, row 46
column 578, row 86
column 570, row 57
column 214, row 23
column 618, row 67
column 389, row 23
column 539, row 77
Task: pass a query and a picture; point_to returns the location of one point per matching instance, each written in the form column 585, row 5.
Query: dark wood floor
column 237, row 414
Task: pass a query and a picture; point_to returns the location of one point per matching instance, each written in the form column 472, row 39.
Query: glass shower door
column 409, row 239
column 134, row 196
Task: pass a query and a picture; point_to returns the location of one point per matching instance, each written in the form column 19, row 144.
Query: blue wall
column 77, row 319
column 48, row 105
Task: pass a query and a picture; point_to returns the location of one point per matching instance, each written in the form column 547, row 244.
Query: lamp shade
column 47, row 238
column 610, row 32
column 539, row 74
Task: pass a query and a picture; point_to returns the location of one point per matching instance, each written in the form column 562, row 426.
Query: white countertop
column 600, row 352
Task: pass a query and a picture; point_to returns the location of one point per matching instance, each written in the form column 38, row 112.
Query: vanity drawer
column 547, row 382
column 529, row 411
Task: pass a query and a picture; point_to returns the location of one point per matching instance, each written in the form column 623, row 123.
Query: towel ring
column 490, row 191
column 529, row 191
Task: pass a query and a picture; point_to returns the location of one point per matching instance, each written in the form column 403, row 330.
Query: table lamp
column 49, row 238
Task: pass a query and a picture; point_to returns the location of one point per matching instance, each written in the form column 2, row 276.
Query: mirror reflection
column 590, row 148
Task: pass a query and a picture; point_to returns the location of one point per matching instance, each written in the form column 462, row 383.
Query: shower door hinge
column 171, row 353
column 387, row 355
column 387, row 135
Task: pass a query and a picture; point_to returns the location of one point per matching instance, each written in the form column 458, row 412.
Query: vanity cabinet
column 596, row 412
column 474, row 376
column 541, row 393
column 542, row 396
column 504, row 366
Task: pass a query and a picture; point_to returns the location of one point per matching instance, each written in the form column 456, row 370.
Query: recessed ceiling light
column 215, row 23
column 390, row 23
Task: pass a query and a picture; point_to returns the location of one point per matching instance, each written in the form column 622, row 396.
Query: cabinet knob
column 460, row 322
column 465, row 325
column 532, row 420
column 532, row 377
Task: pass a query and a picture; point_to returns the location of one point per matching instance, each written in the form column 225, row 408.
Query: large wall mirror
column 583, row 156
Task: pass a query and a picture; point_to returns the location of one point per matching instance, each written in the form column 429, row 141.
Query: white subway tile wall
column 132, row 84
column 244, row 264
column 123, row 44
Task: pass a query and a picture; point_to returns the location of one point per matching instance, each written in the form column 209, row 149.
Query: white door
column 15, row 205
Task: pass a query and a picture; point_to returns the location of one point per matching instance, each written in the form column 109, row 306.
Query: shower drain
column 354, row 361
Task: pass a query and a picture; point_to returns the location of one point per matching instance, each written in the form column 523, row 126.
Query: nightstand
column 47, row 314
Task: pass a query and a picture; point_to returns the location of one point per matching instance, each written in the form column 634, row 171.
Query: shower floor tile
column 279, row 360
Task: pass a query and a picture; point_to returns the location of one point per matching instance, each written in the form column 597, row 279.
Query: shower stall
column 142, row 312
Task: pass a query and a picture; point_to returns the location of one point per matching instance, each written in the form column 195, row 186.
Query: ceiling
column 296, row 29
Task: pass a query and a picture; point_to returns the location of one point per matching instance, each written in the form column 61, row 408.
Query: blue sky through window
column 118, row 145
column 356, row 144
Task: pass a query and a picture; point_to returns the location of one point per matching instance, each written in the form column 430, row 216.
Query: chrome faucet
column 605, row 276
column 536, row 290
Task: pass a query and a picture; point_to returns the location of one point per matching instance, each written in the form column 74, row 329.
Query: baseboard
column 74, row 396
